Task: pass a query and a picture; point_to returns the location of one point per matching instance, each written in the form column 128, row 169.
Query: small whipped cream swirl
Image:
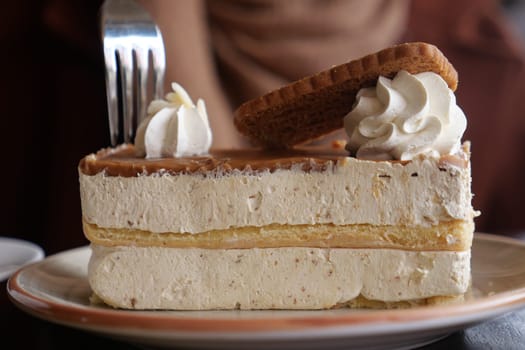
column 175, row 127
column 405, row 117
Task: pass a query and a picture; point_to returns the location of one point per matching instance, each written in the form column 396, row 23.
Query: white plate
column 15, row 253
column 57, row 290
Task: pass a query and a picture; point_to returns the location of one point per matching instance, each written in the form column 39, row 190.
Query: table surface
column 22, row 331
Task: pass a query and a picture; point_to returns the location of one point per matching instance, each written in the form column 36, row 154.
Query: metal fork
column 129, row 36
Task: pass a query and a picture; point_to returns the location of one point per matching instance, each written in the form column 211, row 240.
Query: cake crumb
column 338, row 144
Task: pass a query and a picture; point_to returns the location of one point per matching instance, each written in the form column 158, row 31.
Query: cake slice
column 378, row 224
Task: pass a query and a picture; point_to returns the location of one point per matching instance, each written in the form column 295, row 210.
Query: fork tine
column 111, row 93
column 159, row 66
column 142, row 64
column 126, row 77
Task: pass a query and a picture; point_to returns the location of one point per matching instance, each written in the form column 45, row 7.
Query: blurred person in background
column 228, row 51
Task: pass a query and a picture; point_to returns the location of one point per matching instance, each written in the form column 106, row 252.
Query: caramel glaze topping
column 122, row 161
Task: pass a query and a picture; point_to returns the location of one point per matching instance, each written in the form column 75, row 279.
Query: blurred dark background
column 52, row 95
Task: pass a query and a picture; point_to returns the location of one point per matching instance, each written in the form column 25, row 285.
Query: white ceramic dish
column 15, row 253
column 57, row 290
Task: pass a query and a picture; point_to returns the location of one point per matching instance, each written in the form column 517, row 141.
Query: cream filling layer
column 277, row 278
column 421, row 193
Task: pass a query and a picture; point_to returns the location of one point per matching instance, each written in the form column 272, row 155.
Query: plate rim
column 361, row 321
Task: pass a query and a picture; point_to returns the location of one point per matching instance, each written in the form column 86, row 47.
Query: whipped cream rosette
column 405, row 117
column 175, row 127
